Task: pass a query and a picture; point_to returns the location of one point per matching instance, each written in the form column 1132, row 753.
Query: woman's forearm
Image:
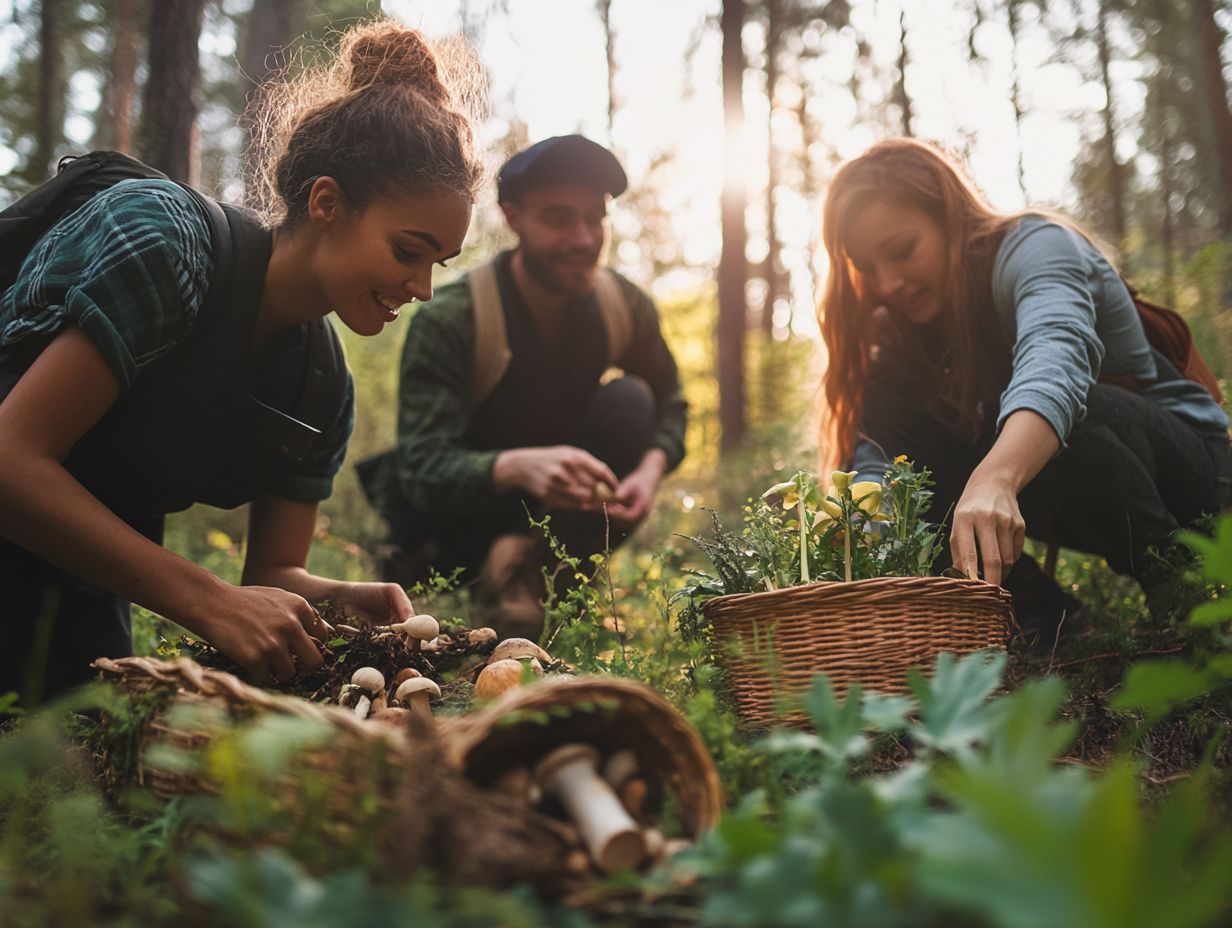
column 1026, row 443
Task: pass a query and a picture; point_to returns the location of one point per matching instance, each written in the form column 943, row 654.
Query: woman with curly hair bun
column 1005, row 353
column 125, row 394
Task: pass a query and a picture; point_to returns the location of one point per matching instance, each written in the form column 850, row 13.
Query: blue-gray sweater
column 1068, row 315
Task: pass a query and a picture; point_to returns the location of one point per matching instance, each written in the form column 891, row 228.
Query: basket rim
column 871, row 585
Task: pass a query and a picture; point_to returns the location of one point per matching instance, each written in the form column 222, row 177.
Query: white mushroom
column 623, row 773
column 504, row 675
column 371, row 683
column 519, row 649
column 611, row 836
column 416, row 693
column 419, row 628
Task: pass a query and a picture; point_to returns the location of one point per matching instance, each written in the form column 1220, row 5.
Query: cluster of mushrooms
column 369, row 696
column 603, row 799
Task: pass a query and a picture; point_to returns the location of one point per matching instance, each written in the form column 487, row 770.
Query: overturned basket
column 867, row 631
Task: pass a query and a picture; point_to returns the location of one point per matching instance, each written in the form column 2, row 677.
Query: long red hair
column 905, row 173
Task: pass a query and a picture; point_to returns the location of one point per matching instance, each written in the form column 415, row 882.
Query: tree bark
column 733, row 263
column 1011, row 7
column 609, row 49
column 51, row 91
column 1215, row 94
column 270, row 25
column 901, row 96
column 171, row 101
column 771, row 272
column 115, row 119
column 1116, row 172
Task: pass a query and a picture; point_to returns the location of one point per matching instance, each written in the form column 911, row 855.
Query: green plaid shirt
column 436, row 470
column 131, row 268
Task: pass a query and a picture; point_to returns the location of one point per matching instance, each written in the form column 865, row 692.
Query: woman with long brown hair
column 983, row 346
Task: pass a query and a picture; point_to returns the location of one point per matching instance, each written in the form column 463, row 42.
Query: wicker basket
column 868, row 631
column 611, row 714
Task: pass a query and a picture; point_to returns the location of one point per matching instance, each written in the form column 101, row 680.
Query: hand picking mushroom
column 602, row 493
column 519, row 649
column 504, row 675
column 612, row 837
column 416, row 693
column 371, row 683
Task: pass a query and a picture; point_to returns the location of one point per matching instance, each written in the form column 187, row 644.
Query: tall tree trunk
column 114, row 128
column 269, row 29
column 1116, row 171
column 1011, row 8
column 1165, row 192
column 733, row 269
column 171, row 101
column 609, row 49
column 771, row 272
column 1215, row 94
column 51, row 90
column 901, row 96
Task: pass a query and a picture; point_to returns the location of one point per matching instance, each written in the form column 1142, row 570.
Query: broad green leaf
column 955, row 713
column 840, row 726
column 1157, row 687
column 1216, row 612
column 887, row 713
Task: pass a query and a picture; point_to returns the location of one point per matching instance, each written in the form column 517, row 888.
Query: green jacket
column 436, row 470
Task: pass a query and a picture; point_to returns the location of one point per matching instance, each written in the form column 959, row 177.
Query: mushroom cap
column 417, row 685
column 496, row 678
column 369, row 679
column 519, row 649
column 481, row 636
column 563, row 756
column 423, row 627
column 621, row 767
column 406, row 673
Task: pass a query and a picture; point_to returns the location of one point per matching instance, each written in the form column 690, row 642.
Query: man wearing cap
column 503, row 405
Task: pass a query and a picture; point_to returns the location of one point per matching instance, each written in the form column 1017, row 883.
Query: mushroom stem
column 361, row 706
column 611, row 836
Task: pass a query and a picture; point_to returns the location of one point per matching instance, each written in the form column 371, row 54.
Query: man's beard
column 541, row 269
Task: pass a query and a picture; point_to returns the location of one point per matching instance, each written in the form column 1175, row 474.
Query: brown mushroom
column 504, row 675
column 519, row 649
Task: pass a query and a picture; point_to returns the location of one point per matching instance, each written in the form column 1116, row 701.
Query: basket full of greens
column 835, row 580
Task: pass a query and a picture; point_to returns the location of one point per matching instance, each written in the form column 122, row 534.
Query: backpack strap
column 492, row 351
column 617, row 317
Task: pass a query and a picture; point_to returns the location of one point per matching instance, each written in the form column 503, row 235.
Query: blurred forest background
column 1144, row 149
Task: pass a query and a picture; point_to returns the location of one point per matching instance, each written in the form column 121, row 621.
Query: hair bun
column 386, row 53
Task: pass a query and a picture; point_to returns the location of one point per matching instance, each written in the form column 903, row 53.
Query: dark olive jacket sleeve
column 436, row 471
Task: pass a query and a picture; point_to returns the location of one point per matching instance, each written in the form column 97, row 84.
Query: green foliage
column 980, row 828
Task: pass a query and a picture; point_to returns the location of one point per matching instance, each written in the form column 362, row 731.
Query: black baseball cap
column 561, row 159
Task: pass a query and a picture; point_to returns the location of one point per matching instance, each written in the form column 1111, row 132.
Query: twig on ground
column 1111, row 654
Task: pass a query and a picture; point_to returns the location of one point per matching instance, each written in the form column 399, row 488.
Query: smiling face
column 372, row 263
column 900, row 251
column 561, row 232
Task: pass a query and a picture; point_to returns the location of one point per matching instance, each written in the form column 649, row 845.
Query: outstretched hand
column 988, row 528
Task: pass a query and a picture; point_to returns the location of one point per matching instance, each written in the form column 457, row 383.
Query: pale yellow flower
column 901, row 459
column 831, row 509
column 841, row 480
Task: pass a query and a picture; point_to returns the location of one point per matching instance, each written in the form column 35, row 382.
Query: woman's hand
column 987, row 518
column 373, row 603
column 988, row 525
column 271, row 633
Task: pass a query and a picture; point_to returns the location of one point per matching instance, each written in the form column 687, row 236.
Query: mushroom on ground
column 478, row 637
column 371, row 683
column 419, row 628
column 504, row 675
column 519, row 649
column 406, row 673
column 610, row 834
column 416, row 693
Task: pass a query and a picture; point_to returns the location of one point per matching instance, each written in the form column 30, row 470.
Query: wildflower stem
column 804, row 564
